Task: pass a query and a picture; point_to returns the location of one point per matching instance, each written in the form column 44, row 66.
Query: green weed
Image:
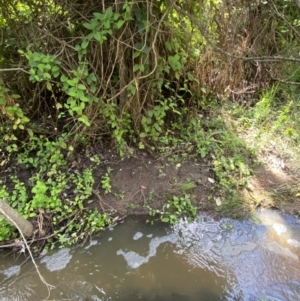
column 186, row 186
column 53, row 194
column 106, row 182
column 174, row 209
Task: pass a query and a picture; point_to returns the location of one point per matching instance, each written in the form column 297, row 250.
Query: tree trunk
column 12, row 216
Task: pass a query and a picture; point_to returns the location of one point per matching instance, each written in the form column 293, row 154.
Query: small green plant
column 263, row 108
column 43, row 67
column 131, row 206
column 43, row 153
column 151, row 195
column 174, row 209
column 106, row 182
column 187, row 185
column 120, row 125
column 90, row 222
column 95, row 221
column 53, row 193
column 120, row 195
column 6, row 230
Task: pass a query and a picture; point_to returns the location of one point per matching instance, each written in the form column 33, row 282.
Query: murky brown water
column 207, row 261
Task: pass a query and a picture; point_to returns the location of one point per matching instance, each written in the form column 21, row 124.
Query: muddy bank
column 130, row 186
column 144, row 179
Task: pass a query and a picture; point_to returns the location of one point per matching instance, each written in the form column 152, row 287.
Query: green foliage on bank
column 56, row 197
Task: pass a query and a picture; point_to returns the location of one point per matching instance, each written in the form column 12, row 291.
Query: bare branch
column 13, row 69
column 49, row 286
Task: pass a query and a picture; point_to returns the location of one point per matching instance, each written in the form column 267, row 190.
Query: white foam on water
column 11, row 271
column 134, row 260
column 92, row 243
column 57, row 261
column 137, row 235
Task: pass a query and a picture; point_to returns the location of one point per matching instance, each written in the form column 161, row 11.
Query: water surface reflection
column 204, row 260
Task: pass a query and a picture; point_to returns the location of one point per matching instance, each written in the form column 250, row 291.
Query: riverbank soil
column 143, row 181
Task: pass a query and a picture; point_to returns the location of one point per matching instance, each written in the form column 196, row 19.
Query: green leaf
column 107, row 24
column 114, row 124
column 3, row 101
column 119, row 24
column 84, row 98
column 80, row 94
column 98, row 16
column 55, row 69
column 41, row 67
column 174, row 61
column 78, row 48
column 131, row 89
column 78, row 110
column 47, row 75
column 88, row 26
column 84, row 119
column 98, row 36
column 136, row 54
column 108, row 13
column 72, row 92
column 73, row 81
column 93, row 88
column 84, row 44
column 91, row 78
column 63, row 78
column 150, row 113
column 45, row 59
column 136, row 67
column 49, row 86
column 116, row 16
column 81, row 87
column 157, row 127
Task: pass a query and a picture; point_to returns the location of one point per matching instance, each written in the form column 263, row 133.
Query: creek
column 207, row 260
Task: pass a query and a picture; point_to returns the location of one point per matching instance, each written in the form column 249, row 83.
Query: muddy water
column 205, row 260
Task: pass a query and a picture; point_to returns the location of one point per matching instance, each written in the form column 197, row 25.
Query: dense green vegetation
column 169, row 77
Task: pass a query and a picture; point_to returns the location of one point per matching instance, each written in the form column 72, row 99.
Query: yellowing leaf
column 58, row 105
